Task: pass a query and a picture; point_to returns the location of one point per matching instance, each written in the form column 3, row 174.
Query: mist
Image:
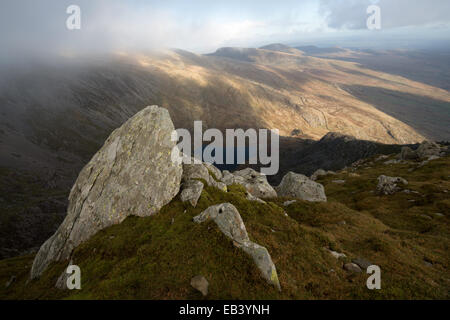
column 37, row 29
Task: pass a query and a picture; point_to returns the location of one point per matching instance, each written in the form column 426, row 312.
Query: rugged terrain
column 232, row 235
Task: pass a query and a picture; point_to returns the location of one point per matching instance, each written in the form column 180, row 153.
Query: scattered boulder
column 203, row 171
column 362, row 263
column 336, row 254
column 201, row 284
column 339, row 181
column 319, row 173
column 132, row 174
column 389, row 185
column 229, row 221
column 408, row 154
column 428, row 149
column 381, row 157
column 299, row 186
column 255, row 183
column 352, row 267
column 287, row 203
column 250, row 197
column 192, row 190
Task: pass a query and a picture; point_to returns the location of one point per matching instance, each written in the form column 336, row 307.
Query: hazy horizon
column 30, row 28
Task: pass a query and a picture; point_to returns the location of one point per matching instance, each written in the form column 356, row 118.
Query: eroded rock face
column 255, row 183
column 229, row 221
column 132, row 174
column 390, row 185
column 299, row 186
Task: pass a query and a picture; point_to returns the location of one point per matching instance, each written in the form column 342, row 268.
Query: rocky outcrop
column 255, row 183
column 229, row 221
column 132, row 174
column 428, row 149
column 192, row 190
column 389, row 185
column 299, row 186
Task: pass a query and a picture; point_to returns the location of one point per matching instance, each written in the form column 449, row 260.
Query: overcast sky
column 39, row 26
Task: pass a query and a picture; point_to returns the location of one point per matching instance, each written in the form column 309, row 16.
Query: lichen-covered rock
column 229, row 221
column 299, row 186
column 389, row 185
column 132, row 174
column 192, row 190
column 255, row 183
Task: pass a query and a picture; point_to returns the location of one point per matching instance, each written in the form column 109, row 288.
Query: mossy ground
column 155, row 257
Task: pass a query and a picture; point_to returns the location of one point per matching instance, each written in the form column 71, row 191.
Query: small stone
column 351, row 267
column 339, row 181
column 201, row 284
column 426, row 217
column 362, row 263
column 437, row 214
column 287, row 203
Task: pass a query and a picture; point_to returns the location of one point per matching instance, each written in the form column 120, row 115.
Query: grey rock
column 301, row 187
column 229, row 221
column 201, row 284
column 321, row 173
column 255, row 183
column 438, row 214
column 351, row 267
column 426, row 217
column 191, row 191
column 427, row 149
column 250, row 197
column 336, row 254
column 132, row 174
column 339, row 181
column 362, row 263
column 408, row 154
column 202, row 170
column 389, row 185
column 287, row 203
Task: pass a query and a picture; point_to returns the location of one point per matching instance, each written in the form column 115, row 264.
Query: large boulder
column 132, row 174
column 229, row 221
column 389, row 185
column 255, row 183
column 299, row 186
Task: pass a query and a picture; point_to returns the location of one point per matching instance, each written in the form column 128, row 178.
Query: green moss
column 155, row 257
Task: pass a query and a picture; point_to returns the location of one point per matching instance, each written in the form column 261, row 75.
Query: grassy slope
column 155, row 257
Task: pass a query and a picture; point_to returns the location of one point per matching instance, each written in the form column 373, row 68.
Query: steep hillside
column 405, row 233
column 56, row 115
